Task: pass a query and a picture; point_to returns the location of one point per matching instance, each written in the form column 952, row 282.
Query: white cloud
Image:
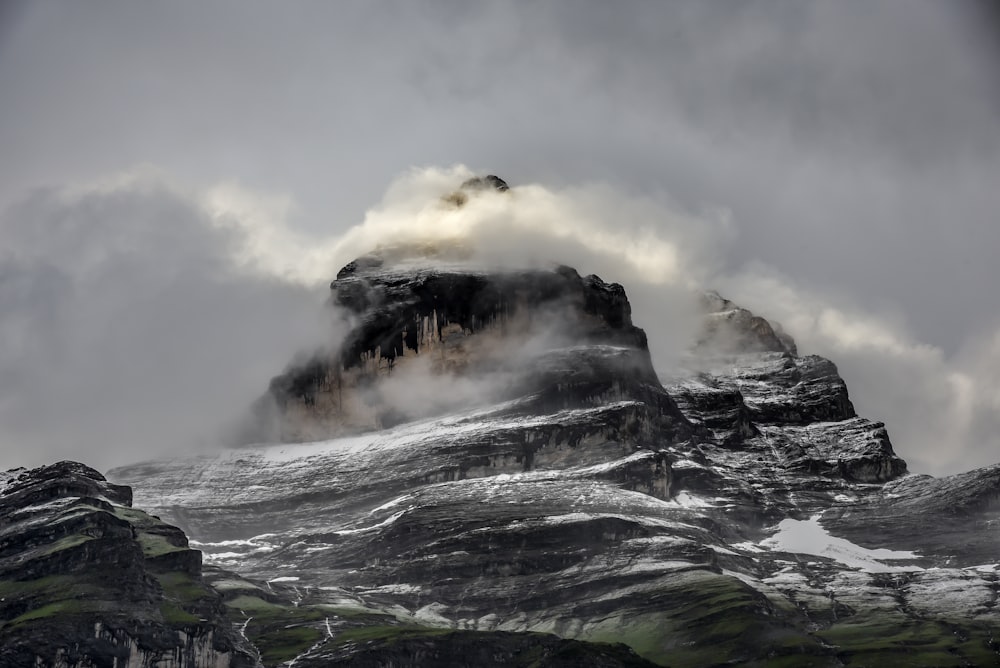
column 131, row 324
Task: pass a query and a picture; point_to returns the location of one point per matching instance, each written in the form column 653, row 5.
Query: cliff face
column 431, row 340
column 87, row 580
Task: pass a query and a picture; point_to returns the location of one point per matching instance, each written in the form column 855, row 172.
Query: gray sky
column 851, row 149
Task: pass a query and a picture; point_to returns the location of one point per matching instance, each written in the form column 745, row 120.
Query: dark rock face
column 564, row 340
column 484, row 182
column 87, row 580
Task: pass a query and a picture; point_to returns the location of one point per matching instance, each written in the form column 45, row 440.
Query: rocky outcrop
column 427, row 340
column 86, row 580
column 728, row 328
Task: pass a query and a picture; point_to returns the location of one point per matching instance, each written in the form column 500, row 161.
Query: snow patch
column 809, row 537
column 686, row 500
column 431, row 614
column 386, row 522
column 390, row 504
column 722, row 550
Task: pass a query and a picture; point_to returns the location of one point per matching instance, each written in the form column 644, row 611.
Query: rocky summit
column 486, row 471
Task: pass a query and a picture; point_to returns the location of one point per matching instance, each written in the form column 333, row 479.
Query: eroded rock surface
column 428, row 340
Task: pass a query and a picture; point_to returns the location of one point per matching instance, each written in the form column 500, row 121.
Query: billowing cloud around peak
column 139, row 316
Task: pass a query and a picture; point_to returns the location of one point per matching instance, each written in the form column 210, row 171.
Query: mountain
column 88, row 580
column 488, row 471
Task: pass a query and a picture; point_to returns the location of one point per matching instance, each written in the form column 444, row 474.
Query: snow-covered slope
column 741, row 511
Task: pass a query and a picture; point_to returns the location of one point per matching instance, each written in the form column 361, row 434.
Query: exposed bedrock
column 86, row 580
column 427, row 341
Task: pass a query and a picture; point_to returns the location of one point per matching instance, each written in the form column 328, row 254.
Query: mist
column 133, row 324
column 940, row 407
column 140, row 318
column 828, row 165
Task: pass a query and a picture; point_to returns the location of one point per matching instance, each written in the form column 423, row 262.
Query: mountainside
column 87, row 580
column 742, row 512
column 488, row 471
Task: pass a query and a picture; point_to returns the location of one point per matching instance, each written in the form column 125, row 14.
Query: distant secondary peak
column 477, row 184
column 485, row 182
column 729, row 328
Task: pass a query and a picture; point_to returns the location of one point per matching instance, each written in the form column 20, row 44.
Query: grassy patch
column 154, row 545
column 253, row 605
column 60, row 608
column 280, row 645
column 280, row 632
column 183, row 597
column 387, row 633
column 66, row 543
column 702, row 619
column 175, row 615
column 359, row 613
column 50, row 595
column 38, row 586
column 133, row 516
column 182, row 588
column 899, row 641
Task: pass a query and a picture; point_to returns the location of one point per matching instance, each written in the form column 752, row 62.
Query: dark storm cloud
column 855, row 143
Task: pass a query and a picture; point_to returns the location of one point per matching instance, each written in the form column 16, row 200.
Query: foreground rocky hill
column 738, row 512
column 87, row 580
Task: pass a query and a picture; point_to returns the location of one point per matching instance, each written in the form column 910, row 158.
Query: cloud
column 940, row 407
column 134, row 323
column 139, row 317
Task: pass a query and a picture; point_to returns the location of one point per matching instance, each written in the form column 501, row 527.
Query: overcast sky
column 842, row 156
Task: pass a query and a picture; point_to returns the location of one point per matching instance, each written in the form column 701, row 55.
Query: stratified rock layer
column 86, row 580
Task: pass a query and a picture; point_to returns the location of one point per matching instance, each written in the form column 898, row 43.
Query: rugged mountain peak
column 551, row 338
column 728, row 328
column 484, row 182
column 476, row 185
column 745, row 381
